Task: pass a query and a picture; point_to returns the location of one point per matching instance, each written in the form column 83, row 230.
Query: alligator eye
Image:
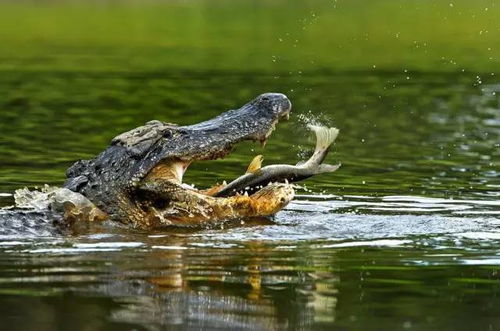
column 265, row 99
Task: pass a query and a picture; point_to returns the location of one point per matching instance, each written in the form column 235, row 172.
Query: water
column 405, row 235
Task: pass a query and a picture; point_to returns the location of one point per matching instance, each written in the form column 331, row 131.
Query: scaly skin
column 137, row 180
column 189, row 207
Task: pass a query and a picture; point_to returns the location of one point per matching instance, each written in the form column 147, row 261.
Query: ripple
column 336, row 221
column 168, row 247
column 381, row 242
column 69, row 250
column 480, row 235
column 14, row 243
column 482, row 262
column 395, row 204
column 116, row 245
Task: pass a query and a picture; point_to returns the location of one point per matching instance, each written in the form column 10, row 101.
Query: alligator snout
column 278, row 103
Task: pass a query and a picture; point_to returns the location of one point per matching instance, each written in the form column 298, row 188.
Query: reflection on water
column 323, row 261
column 404, row 235
column 257, row 285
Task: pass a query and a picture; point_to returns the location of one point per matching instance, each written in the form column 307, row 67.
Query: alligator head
column 212, row 139
column 160, row 152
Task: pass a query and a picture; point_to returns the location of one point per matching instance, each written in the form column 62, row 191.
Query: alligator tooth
column 246, row 194
column 263, row 142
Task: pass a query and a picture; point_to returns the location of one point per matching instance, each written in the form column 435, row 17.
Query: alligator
column 137, row 180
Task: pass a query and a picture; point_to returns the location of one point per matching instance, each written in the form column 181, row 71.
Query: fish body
column 257, row 177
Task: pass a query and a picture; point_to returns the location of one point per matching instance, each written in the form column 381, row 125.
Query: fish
column 257, row 177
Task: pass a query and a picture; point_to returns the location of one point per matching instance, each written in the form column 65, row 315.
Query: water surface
column 406, row 235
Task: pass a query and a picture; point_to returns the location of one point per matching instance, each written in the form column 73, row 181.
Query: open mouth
column 181, row 167
column 281, row 112
column 214, row 139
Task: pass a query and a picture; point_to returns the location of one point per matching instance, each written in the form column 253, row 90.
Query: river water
column 405, row 235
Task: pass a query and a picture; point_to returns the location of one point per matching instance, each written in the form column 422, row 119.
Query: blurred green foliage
column 247, row 35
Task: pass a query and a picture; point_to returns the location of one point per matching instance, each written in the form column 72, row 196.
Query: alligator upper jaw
column 213, row 139
column 254, row 121
column 216, row 138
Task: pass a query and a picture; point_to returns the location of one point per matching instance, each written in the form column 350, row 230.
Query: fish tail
column 324, row 168
column 324, row 136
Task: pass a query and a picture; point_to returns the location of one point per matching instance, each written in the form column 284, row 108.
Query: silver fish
column 257, row 177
